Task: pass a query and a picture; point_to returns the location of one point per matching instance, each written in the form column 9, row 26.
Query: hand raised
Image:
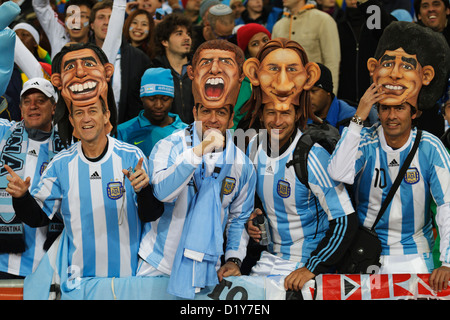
column 16, row 186
column 139, row 178
column 372, row 95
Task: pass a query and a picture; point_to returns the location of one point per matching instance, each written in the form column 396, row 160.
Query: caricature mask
column 82, row 78
column 412, row 64
column 216, row 73
column 281, row 75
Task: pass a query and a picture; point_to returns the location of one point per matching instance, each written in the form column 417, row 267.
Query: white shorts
column 409, row 263
column 269, row 265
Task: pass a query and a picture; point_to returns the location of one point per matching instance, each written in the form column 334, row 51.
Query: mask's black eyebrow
column 89, row 58
column 411, row 61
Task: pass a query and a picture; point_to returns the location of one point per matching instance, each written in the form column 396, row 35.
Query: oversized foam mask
column 401, row 76
column 281, row 77
column 216, row 78
column 83, row 79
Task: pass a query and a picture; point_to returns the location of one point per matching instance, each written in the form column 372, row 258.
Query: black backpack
column 324, row 134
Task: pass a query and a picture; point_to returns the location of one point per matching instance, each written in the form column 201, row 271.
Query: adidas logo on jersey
column 95, row 175
column 393, row 163
column 32, row 153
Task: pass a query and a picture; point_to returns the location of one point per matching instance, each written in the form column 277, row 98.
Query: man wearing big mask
column 82, row 74
column 206, row 183
column 310, row 226
column 409, row 71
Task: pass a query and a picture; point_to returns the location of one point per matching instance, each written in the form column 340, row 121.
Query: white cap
column 42, row 85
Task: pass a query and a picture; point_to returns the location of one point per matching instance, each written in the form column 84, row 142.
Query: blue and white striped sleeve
column 48, row 193
column 342, row 163
column 171, row 168
column 240, row 210
column 332, row 195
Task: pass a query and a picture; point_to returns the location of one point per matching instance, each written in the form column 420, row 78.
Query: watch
column 356, row 119
column 237, row 261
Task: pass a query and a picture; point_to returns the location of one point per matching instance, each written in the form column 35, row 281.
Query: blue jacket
column 140, row 132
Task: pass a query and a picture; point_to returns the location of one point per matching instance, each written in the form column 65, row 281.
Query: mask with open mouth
column 216, row 74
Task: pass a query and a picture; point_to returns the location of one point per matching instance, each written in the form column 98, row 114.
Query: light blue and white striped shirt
column 37, row 157
column 100, row 216
column 172, row 164
column 296, row 227
column 363, row 158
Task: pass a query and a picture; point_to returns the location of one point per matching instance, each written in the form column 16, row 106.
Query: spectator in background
column 155, row 122
column 57, row 34
column 192, row 10
column 129, row 65
column 315, row 31
column 138, row 29
column 148, row 5
column 218, row 25
column 256, row 12
column 330, row 7
column 358, row 44
column 30, row 38
column 434, row 14
column 250, row 38
column 238, row 7
column 172, row 47
column 197, row 36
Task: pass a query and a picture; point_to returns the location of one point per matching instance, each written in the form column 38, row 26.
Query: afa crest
column 43, row 167
column 228, row 185
column 412, row 176
column 115, row 190
column 283, row 189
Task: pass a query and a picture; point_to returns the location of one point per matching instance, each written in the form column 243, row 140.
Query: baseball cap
column 157, row 81
column 326, row 81
column 42, row 85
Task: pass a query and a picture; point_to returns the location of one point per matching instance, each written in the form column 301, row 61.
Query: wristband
column 237, row 261
column 356, row 119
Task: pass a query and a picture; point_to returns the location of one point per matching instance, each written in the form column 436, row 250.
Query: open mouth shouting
column 214, row 88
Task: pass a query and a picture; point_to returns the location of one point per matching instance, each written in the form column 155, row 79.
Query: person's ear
column 56, row 80
column 313, row 71
column 190, row 72
column 251, row 67
column 194, row 112
column 428, row 75
column 109, row 69
column 372, row 64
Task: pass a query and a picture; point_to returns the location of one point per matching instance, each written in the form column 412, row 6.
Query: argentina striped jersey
column 172, row 164
column 36, row 159
column 295, row 225
column 98, row 210
column 363, row 158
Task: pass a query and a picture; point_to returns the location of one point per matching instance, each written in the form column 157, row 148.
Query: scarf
column 14, row 148
column 201, row 243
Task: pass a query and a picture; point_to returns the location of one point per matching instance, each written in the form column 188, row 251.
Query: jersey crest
column 228, row 185
column 283, row 189
column 412, row 176
column 115, row 190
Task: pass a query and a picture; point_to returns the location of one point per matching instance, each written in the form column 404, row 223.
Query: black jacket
column 356, row 48
column 133, row 63
column 183, row 101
